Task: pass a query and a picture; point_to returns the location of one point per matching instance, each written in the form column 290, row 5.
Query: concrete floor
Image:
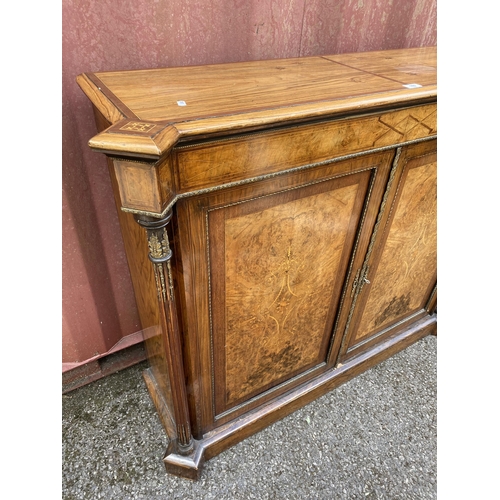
column 373, row 438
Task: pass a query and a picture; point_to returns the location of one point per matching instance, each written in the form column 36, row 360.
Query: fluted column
column 160, row 254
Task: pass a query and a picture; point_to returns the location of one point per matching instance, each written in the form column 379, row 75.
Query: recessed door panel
column 403, row 269
column 408, row 262
column 278, row 263
column 284, row 260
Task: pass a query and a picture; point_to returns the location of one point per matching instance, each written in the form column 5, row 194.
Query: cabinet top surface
column 163, row 105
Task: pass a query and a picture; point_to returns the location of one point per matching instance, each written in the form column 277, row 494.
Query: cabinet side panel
column 143, row 280
column 408, row 263
column 135, row 242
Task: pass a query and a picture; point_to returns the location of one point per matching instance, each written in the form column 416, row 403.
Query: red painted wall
column 99, row 309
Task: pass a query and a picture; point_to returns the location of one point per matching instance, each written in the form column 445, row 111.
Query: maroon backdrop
column 99, row 311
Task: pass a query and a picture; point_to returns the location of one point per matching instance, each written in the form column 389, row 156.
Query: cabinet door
column 269, row 274
column 401, row 267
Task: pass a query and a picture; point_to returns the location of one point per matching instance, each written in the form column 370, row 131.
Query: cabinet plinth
column 280, row 229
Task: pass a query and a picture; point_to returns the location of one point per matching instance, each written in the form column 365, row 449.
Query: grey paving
column 372, row 438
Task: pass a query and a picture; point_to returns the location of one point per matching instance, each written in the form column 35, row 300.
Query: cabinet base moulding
column 224, row 437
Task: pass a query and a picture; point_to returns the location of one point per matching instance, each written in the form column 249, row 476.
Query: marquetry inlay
column 408, row 262
column 278, row 262
column 138, row 126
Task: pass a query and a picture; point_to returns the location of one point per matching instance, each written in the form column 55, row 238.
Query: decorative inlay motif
column 277, row 262
column 138, row 126
column 408, row 261
column 403, row 125
column 250, row 180
column 225, row 160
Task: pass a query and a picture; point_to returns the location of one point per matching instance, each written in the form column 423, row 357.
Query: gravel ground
column 373, row 437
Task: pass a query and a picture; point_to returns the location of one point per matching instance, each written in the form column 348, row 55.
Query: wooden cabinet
column 279, row 219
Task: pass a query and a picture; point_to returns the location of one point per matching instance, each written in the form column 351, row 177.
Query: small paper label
column 412, row 86
column 183, row 103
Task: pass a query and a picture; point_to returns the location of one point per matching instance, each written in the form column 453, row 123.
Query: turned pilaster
column 160, row 254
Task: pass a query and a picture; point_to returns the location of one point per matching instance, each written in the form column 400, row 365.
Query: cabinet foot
column 188, row 466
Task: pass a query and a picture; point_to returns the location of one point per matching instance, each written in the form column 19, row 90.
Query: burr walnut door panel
column 402, row 270
column 277, row 256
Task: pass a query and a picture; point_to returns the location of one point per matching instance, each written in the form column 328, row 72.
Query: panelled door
column 274, row 264
column 397, row 283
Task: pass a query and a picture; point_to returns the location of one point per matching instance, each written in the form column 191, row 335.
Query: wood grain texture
column 193, row 280
column 225, row 436
column 141, row 272
column 278, row 262
column 143, row 186
column 164, row 412
column 160, row 255
column 135, row 242
column 403, row 66
column 153, row 95
column 408, row 262
column 205, row 322
column 412, row 207
column 259, row 120
column 204, row 101
column 210, row 164
column 107, row 35
column 135, row 138
column 102, row 103
column 138, row 183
